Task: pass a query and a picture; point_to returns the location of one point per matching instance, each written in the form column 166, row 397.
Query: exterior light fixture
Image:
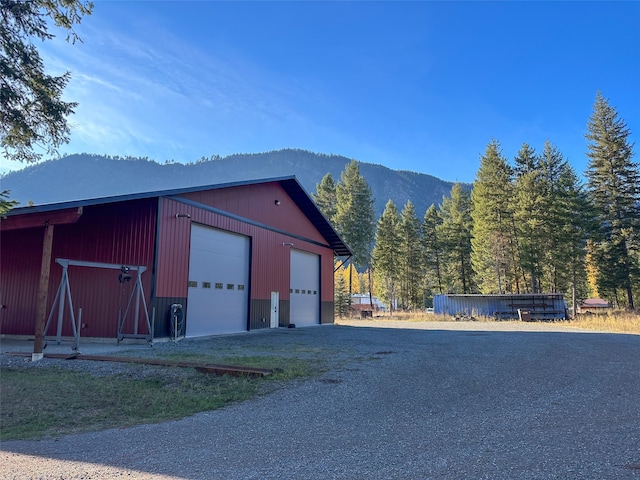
column 287, row 244
column 183, row 215
column 277, row 202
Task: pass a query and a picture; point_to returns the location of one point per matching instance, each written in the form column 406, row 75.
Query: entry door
column 275, row 300
column 304, row 288
column 217, row 300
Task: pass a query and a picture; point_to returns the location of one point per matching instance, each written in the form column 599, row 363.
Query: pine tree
column 385, row 255
column 455, row 235
column 33, row 115
column 614, row 184
column 432, row 251
column 354, row 216
column 341, row 295
column 493, row 242
column 325, row 197
column 410, row 259
column 554, row 174
column 529, row 216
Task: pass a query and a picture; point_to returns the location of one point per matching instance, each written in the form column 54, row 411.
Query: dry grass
column 613, row 321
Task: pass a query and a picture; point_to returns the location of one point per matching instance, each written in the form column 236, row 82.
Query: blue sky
column 420, row 86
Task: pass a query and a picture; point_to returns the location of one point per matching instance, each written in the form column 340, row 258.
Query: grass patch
column 613, row 321
column 53, row 401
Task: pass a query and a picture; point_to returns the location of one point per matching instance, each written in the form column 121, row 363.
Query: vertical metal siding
column 270, row 259
column 541, row 306
column 257, row 202
column 120, row 233
column 125, row 233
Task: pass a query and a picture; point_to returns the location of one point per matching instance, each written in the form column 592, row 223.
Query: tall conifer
column 385, row 255
column 492, row 235
column 432, row 248
column 455, row 236
column 410, row 258
column 614, row 184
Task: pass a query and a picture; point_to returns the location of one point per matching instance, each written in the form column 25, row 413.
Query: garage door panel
column 218, row 276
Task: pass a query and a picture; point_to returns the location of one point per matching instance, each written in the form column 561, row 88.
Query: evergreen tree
column 493, row 242
column 579, row 225
column 354, row 216
column 526, row 161
column 554, row 175
column 341, row 295
column 455, row 235
column 32, row 113
column 432, row 251
column 325, row 197
column 529, row 216
column 410, row 259
column 614, row 184
column 385, row 255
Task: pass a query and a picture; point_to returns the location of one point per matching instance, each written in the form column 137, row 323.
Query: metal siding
column 120, row 233
column 270, row 259
column 542, row 306
column 257, row 202
column 20, row 259
column 125, row 232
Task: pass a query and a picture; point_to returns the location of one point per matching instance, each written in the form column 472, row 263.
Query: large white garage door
column 217, row 300
column 304, row 289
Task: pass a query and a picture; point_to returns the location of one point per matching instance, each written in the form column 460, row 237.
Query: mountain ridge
column 82, row 176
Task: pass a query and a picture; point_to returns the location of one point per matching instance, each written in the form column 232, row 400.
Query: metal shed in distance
column 538, row 306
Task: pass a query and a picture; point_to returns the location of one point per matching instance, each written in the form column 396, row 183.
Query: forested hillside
column 89, row 176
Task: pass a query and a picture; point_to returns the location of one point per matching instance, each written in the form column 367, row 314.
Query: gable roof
column 290, row 185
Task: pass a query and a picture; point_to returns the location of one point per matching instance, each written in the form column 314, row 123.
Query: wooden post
column 43, row 291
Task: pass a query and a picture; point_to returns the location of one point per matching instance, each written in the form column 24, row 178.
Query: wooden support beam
column 37, row 219
column 43, row 290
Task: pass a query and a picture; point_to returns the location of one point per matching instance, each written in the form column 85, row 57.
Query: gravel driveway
column 457, row 401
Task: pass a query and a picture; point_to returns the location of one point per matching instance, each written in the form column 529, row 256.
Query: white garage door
column 218, row 297
column 304, row 289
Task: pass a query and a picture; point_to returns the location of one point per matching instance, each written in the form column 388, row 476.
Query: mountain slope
column 89, row 176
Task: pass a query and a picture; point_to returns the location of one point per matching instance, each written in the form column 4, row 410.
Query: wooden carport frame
column 39, row 220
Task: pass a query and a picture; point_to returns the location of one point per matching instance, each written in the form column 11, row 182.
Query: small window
column 230, row 286
column 206, row 284
column 193, row 284
column 240, row 287
column 315, row 292
column 297, row 290
column 303, row 291
column 291, row 290
column 308, row 292
column 218, row 286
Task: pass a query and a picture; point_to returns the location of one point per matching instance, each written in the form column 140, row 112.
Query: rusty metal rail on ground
column 234, row 370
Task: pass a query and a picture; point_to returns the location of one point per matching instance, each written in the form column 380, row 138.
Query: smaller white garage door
column 218, row 293
column 304, row 289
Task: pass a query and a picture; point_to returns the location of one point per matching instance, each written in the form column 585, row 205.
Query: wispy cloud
column 154, row 94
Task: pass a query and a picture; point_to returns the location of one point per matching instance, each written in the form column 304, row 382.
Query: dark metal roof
column 290, row 184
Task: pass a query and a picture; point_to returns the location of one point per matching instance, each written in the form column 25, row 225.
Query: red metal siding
column 257, row 202
column 269, row 257
column 125, row 233
column 121, row 233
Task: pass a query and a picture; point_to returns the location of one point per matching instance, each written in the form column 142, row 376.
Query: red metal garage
column 152, row 232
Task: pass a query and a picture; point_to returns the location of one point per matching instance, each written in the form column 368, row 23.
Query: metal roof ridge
column 45, row 207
